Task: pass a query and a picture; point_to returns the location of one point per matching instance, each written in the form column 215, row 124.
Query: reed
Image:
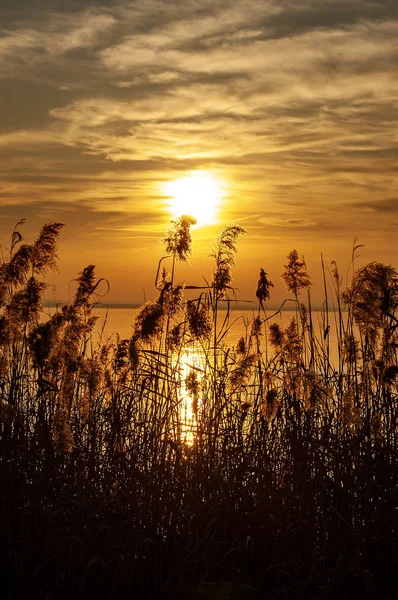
column 173, row 465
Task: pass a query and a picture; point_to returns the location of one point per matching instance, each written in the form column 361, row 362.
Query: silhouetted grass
column 172, row 465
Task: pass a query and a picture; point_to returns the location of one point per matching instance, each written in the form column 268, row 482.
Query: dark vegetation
column 277, row 478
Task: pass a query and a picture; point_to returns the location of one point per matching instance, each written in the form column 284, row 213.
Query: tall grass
column 173, row 465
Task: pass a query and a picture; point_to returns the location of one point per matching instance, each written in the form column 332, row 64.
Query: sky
column 291, row 105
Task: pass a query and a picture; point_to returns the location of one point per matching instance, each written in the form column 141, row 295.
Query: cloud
column 389, row 205
column 28, row 139
column 61, row 34
column 93, row 220
column 293, row 104
column 311, row 90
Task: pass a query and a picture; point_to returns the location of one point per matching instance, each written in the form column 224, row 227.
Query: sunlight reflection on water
column 190, row 362
column 119, row 320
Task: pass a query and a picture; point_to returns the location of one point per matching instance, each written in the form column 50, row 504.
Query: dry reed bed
column 287, row 485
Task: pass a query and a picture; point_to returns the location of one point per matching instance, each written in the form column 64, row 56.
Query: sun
column 198, row 195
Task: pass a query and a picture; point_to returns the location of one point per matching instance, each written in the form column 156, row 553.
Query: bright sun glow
column 197, row 195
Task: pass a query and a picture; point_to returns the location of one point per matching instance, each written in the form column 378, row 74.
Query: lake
column 114, row 321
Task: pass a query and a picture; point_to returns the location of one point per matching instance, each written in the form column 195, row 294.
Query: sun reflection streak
column 189, row 363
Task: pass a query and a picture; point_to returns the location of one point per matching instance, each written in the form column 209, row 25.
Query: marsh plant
column 175, row 463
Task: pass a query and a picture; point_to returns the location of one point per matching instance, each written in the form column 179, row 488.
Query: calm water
column 119, row 321
column 114, row 321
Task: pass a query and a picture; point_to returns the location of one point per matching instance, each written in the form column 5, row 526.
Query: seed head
column 296, row 276
column 178, row 240
column 263, row 288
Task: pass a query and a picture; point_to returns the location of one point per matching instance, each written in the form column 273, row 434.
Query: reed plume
column 141, row 467
column 263, row 288
column 295, row 276
column 178, row 241
column 223, row 254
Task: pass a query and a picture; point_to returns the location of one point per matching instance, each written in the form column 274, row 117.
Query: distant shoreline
column 241, row 306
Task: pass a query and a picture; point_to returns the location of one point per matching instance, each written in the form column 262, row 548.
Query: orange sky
column 291, row 105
